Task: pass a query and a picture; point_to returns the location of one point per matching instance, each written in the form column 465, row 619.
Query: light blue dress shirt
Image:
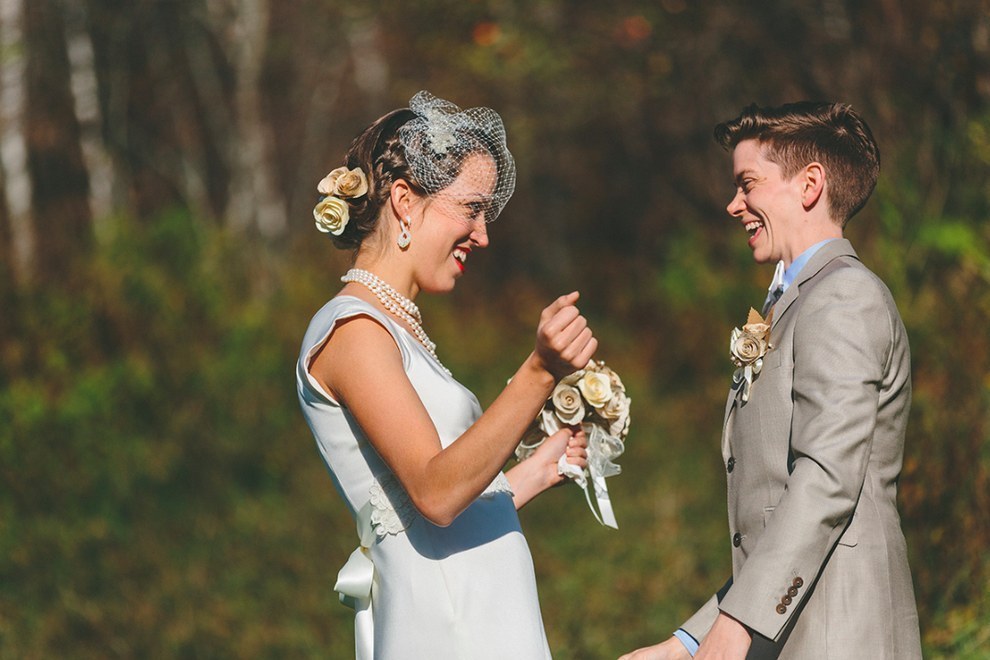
column 795, row 268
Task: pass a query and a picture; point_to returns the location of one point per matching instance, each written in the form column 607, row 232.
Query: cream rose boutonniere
column 331, row 212
column 595, row 399
column 747, row 348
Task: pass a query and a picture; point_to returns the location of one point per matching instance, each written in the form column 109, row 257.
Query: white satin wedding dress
column 466, row 591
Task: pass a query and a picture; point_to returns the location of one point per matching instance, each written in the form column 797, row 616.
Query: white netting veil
column 460, row 154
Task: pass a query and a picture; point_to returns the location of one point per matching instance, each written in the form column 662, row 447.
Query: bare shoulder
column 360, row 348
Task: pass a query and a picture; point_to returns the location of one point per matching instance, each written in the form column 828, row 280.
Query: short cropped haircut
column 796, row 134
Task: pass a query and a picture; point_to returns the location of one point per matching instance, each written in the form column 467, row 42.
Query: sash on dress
column 354, row 586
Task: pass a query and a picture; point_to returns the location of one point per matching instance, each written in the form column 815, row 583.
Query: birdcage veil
column 442, row 138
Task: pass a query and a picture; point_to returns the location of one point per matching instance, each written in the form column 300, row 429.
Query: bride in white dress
column 443, row 569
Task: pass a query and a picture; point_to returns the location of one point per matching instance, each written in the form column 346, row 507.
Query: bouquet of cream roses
column 595, row 399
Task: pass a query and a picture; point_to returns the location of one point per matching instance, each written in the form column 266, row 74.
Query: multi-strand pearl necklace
column 396, row 304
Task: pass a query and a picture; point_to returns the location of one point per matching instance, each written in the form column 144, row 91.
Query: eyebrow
column 475, row 197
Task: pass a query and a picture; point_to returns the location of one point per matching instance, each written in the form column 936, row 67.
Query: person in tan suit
column 813, row 437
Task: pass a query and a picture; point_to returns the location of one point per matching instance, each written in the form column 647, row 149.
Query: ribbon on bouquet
column 354, row 583
column 602, row 448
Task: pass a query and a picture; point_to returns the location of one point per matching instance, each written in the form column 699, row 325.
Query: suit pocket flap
column 850, row 537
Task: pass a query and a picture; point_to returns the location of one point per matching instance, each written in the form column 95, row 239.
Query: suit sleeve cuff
column 689, row 642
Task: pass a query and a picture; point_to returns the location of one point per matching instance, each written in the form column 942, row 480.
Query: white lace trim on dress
column 392, row 511
column 500, row 485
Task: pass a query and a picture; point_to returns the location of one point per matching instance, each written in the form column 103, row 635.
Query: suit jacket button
column 798, row 582
column 792, row 592
column 786, row 600
column 731, row 465
column 737, row 539
column 781, row 609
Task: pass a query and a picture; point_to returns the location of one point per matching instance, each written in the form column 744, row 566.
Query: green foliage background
column 160, row 495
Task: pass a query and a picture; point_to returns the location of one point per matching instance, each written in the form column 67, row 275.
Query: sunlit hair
column 796, row 134
column 378, row 152
column 426, row 145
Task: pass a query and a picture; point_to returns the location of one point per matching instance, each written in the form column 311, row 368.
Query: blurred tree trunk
column 16, row 189
column 7, row 269
column 6, row 246
column 255, row 201
column 8, row 282
column 156, row 123
column 87, row 102
column 60, row 183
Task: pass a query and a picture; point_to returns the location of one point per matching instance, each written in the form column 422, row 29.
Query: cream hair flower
column 344, row 183
column 331, row 216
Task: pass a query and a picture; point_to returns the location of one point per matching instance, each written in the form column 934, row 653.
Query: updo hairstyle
column 380, row 154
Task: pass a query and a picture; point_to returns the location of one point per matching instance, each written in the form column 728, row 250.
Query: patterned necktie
column 772, row 299
column 776, row 288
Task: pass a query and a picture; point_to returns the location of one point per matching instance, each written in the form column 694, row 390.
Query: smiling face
column 768, row 206
column 453, row 224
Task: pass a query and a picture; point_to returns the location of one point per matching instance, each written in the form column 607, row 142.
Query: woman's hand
column 361, row 366
column 564, row 342
column 539, row 472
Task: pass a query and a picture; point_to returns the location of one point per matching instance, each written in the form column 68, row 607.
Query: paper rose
column 568, row 404
column 593, row 398
column 616, row 411
column 747, row 347
column 344, row 183
column 331, row 212
column 596, row 387
column 331, row 216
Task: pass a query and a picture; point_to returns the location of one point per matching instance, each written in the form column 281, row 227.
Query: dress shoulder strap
column 326, row 320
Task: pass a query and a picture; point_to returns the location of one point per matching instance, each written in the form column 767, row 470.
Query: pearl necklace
column 396, row 304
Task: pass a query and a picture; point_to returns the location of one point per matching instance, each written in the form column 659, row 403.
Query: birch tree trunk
column 16, row 190
column 156, row 124
column 62, row 221
column 7, row 272
column 87, row 105
column 7, row 269
column 255, row 201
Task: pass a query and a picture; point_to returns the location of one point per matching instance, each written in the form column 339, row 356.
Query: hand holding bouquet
column 593, row 398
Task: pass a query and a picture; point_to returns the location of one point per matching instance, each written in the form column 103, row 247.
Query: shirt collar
column 785, row 277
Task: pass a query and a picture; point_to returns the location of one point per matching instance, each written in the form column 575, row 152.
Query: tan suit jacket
column 819, row 565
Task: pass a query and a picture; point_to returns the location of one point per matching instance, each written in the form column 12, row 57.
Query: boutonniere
column 747, row 347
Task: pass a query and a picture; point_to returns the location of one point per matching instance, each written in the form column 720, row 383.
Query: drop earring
column 405, row 237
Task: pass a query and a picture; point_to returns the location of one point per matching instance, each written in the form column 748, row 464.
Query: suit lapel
column 729, row 404
column 831, row 250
